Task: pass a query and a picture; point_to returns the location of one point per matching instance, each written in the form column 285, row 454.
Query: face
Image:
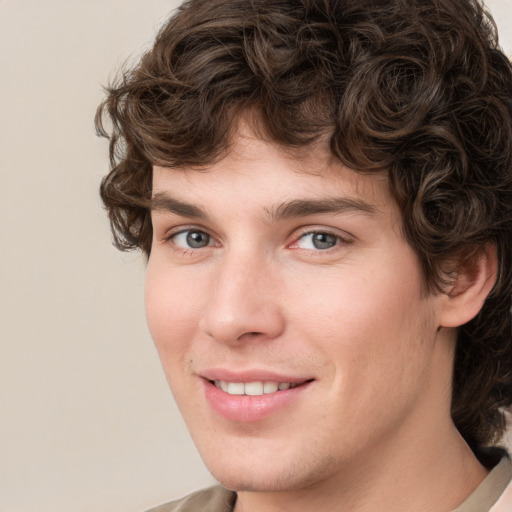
column 290, row 316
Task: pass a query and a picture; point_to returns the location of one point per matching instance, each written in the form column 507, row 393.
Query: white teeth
column 253, row 388
column 221, row 384
column 270, row 387
column 236, row 388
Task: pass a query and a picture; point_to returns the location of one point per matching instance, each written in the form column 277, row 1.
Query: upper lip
column 227, row 375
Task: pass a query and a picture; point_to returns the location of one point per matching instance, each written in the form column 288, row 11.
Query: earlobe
column 475, row 279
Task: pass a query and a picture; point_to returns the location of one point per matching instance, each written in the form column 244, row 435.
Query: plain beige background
column 86, row 420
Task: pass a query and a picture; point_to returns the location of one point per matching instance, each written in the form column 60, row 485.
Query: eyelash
column 339, row 240
column 188, row 250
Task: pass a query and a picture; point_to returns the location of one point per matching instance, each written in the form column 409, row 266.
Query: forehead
column 256, row 169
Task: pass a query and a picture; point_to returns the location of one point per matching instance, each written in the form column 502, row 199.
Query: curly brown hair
column 418, row 88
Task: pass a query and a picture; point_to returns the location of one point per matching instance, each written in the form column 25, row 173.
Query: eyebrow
column 305, row 207
column 161, row 202
column 286, row 210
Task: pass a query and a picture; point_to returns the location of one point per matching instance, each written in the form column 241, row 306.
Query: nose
column 244, row 302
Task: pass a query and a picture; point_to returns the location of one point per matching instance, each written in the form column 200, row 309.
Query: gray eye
column 192, row 239
column 318, row 240
column 197, row 239
column 324, row 240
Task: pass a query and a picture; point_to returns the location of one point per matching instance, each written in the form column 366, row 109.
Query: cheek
column 357, row 304
column 171, row 312
column 370, row 324
column 378, row 347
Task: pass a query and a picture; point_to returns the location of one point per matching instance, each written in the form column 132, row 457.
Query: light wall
column 86, row 420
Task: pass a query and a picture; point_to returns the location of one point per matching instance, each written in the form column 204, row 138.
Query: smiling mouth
column 256, row 388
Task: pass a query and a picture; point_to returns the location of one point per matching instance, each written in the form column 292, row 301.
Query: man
column 324, row 193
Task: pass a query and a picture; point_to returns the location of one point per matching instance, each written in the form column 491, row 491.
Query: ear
column 475, row 279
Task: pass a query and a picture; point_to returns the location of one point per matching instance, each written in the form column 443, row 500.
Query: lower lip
column 248, row 409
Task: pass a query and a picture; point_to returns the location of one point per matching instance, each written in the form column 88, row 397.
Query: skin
column 372, row 430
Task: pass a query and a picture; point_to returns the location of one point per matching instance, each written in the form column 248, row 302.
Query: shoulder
column 504, row 503
column 213, row 499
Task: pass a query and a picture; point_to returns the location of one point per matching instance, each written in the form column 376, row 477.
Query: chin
column 252, row 475
column 255, row 483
